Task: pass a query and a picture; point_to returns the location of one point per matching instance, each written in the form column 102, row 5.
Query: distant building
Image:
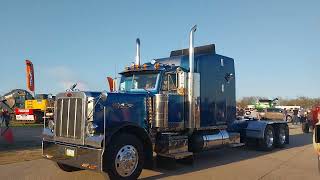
column 288, row 108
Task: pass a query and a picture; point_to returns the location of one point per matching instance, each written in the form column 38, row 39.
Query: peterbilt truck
column 170, row 107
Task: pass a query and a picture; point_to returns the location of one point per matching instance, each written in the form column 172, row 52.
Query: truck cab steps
column 172, row 145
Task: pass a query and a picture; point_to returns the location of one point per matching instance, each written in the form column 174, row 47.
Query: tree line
column 304, row 102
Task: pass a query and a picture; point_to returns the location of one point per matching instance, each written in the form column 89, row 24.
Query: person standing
column 6, row 132
column 285, row 113
column 5, row 117
column 1, row 116
column 295, row 119
column 302, row 116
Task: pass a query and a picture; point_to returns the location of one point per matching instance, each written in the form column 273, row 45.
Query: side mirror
column 182, row 81
column 104, row 95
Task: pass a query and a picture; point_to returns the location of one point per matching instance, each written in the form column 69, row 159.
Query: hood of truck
column 123, row 108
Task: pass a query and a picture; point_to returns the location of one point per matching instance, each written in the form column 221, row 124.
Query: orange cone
column 8, row 135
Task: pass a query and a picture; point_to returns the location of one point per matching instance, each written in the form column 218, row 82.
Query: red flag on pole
column 111, row 84
column 30, row 75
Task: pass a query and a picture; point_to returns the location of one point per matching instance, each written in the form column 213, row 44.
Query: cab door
column 176, row 105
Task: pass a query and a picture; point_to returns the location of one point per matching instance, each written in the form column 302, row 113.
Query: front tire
column 268, row 141
column 124, row 157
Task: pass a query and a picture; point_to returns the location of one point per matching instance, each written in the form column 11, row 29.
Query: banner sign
column 30, row 75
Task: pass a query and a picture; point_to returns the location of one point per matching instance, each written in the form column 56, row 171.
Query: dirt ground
column 295, row 162
column 26, row 145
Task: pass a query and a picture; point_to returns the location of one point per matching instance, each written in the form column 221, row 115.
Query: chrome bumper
column 84, row 157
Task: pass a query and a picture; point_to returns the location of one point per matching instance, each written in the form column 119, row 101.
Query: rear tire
column 268, row 141
column 124, row 157
column 282, row 134
column 305, row 127
column 67, row 168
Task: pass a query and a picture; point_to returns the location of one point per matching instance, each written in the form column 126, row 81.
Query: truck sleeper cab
column 174, row 106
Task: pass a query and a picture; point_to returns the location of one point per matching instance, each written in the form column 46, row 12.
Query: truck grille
column 69, row 117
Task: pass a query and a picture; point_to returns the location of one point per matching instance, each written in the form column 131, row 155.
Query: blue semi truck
column 173, row 107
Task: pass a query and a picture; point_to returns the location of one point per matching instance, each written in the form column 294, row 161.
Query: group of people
column 298, row 116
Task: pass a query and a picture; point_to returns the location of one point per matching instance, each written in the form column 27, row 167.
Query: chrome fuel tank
column 160, row 111
column 212, row 140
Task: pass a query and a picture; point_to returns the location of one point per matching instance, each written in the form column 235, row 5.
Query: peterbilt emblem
column 122, row 105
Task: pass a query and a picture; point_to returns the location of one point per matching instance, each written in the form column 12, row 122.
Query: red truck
column 312, row 120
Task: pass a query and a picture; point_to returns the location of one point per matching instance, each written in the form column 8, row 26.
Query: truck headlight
column 51, row 125
column 91, row 128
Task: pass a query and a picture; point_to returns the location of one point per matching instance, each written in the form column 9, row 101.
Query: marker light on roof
column 157, row 66
column 144, row 66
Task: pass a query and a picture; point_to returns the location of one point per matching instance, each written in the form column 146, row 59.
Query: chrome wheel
column 269, row 138
column 282, row 136
column 126, row 160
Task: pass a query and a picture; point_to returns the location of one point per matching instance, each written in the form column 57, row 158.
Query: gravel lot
column 26, row 145
column 297, row 161
column 24, row 137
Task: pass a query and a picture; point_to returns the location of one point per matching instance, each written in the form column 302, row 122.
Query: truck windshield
column 139, row 81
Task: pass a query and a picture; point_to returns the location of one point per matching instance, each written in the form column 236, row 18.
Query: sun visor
column 207, row 49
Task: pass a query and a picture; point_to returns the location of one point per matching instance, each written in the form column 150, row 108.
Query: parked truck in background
column 175, row 107
column 271, row 114
column 39, row 107
column 311, row 120
column 13, row 101
column 24, row 107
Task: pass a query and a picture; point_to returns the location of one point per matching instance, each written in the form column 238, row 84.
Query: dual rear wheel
column 274, row 137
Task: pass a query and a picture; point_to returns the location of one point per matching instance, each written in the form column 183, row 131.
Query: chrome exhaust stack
column 137, row 52
column 193, row 88
column 191, row 48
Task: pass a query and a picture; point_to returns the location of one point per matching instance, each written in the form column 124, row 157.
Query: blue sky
column 275, row 44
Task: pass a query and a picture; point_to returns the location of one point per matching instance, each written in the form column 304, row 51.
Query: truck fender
column 139, row 132
column 255, row 129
